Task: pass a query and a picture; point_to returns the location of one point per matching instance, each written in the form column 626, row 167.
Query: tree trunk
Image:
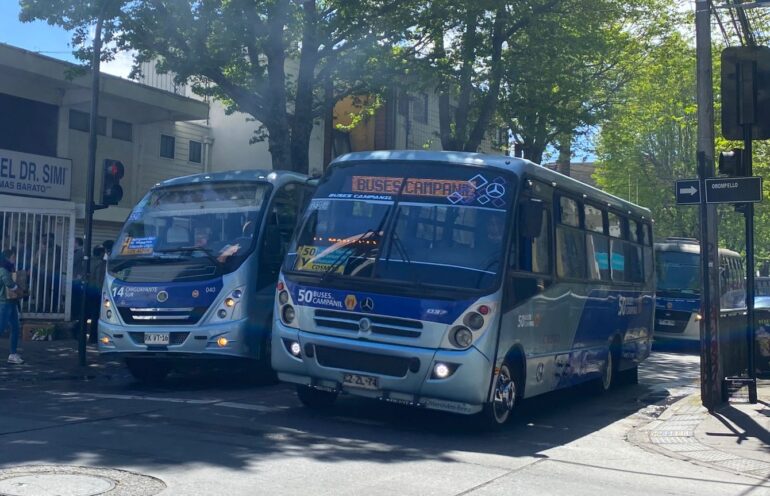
column 279, row 136
column 302, row 121
column 565, row 154
column 489, row 104
column 533, row 152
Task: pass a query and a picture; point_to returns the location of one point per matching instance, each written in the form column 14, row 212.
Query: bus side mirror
column 531, row 218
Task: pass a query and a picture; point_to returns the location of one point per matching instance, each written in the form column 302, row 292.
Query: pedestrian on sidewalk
column 94, row 292
column 9, row 310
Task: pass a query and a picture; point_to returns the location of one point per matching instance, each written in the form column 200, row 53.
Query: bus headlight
column 474, row 320
column 283, row 297
column 461, row 337
column 288, row 314
column 106, row 314
column 231, row 307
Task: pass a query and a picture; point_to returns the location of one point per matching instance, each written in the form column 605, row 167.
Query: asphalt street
column 220, row 435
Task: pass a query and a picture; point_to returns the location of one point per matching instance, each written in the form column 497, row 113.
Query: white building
column 44, row 154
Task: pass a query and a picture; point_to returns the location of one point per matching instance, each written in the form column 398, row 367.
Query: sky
column 47, row 40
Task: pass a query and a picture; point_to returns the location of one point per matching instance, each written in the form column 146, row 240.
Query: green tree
column 281, row 61
column 459, row 48
column 649, row 138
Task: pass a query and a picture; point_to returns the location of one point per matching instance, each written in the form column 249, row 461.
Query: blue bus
column 461, row 282
column 678, row 302
column 193, row 272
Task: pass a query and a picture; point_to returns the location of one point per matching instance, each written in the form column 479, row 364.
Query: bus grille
column 679, row 318
column 348, row 321
column 162, row 316
column 174, row 338
column 359, row 361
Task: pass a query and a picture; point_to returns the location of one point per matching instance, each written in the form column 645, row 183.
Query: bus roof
column 689, row 246
column 518, row 166
column 250, row 175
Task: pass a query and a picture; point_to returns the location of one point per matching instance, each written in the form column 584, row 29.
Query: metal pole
column 711, row 376
column 92, row 143
column 749, row 213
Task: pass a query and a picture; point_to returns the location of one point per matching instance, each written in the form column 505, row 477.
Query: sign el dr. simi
column 25, row 174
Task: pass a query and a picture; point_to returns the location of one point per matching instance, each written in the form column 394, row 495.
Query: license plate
column 360, row 381
column 154, row 338
column 667, row 322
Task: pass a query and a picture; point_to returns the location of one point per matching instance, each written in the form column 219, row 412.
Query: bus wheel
column 146, row 371
column 504, row 396
column 608, row 379
column 315, row 398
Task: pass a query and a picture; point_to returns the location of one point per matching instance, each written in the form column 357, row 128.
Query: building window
column 195, row 151
column 81, row 121
column 167, row 144
column 122, row 130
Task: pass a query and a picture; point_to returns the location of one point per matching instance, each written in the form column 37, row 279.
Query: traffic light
column 731, row 163
column 112, row 192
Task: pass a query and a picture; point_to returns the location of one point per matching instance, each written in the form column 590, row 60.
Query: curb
column 673, row 434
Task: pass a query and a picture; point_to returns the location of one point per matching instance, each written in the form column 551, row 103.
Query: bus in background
column 678, row 303
column 461, row 282
column 193, row 273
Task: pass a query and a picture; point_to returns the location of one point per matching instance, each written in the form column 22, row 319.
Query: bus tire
column 147, row 371
column 505, row 394
column 609, row 377
column 315, row 398
column 261, row 372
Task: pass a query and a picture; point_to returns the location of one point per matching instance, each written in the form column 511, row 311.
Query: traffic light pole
column 711, row 375
column 750, row 271
column 92, row 142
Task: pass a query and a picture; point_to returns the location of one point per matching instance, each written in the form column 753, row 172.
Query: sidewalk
column 55, row 361
column 735, row 438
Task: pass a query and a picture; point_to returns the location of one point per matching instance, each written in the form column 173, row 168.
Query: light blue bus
column 461, row 282
column 193, row 273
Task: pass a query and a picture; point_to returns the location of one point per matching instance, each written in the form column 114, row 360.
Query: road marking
column 249, row 406
column 214, row 401
column 152, row 398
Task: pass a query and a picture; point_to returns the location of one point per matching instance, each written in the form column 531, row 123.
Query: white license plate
column 157, row 338
column 667, row 322
column 360, row 381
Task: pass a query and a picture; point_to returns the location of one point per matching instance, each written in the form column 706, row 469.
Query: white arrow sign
column 685, row 191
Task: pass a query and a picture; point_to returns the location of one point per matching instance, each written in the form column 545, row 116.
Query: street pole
column 92, row 143
column 711, row 367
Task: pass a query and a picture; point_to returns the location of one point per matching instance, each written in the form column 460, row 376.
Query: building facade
column 44, row 133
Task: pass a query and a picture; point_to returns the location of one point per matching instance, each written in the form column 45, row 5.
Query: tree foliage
column 562, row 73
column 283, row 62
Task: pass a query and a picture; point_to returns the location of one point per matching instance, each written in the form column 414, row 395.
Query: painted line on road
column 253, row 407
column 152, row 398
column 215, row 402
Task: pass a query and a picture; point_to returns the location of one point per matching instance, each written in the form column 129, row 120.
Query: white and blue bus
column 193, row 273
column 678, row 292
column 461, row 282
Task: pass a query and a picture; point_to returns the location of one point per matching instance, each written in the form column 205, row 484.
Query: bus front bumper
column 387, row 372
column 229, row 339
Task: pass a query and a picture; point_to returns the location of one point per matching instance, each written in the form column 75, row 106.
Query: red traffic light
column 115, row 169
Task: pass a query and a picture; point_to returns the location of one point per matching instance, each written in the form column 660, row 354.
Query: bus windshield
column 678, row 272
column 194, row 229
column 418, row 224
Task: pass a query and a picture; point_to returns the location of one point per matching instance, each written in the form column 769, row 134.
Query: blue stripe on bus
column 178, row 294
column 678, row 304
column 430, row 310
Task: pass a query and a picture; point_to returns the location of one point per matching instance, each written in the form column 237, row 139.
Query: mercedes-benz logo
column 364, row 325
column 495, row 190
column 367, row 304
column 162, row 296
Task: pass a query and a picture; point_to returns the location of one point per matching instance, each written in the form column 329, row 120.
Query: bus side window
column 532, row 258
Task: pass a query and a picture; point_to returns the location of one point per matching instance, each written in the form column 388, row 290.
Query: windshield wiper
column 191, row 249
